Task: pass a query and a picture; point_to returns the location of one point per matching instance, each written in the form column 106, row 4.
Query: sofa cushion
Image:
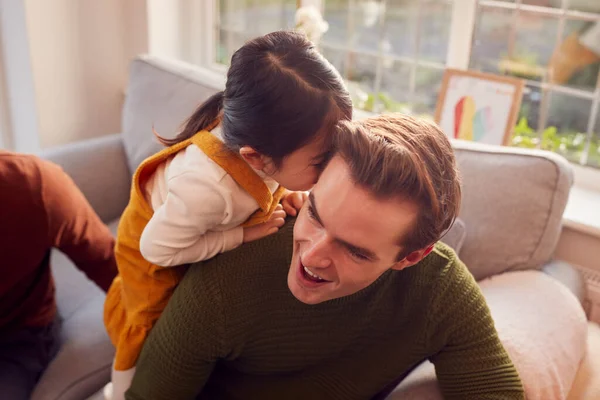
column 161, row 94
column 513, row 201
column 82, row 365
column 543, row 328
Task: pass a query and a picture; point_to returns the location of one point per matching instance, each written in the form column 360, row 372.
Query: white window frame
column 205, row 33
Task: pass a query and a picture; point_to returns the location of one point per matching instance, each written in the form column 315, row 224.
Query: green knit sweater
column 233, row 330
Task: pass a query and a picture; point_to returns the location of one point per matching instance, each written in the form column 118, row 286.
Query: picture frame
column 478, row 106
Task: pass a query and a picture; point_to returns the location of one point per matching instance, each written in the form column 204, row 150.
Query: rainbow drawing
column 482, row 123
column 469, row 123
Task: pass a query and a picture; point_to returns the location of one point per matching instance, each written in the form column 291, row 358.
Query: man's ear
column 412, row 258
column 255, row 159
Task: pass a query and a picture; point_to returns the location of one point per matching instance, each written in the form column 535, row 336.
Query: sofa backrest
column 513, row 202
column 161, row 94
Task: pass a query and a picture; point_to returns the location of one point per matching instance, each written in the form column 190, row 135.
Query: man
column 345, row 302
column 40, row 209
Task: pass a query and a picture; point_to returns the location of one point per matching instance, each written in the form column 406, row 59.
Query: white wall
column 79, row 52
column 18, row 124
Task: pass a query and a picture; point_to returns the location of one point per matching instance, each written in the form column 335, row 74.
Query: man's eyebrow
column 355, row 249
column 360, row 250
column 313, row 207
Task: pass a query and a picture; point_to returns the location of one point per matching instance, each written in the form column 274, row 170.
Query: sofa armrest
column 99, row 168
column 569, row 276
column 542, row 327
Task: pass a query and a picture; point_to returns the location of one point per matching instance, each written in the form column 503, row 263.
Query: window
column 240, row 20
column 555, row 46
column 392, row 54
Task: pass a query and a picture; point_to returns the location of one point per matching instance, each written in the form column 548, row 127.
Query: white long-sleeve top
column 198, row 209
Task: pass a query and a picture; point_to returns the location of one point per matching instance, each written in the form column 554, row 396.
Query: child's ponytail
column 204, row 118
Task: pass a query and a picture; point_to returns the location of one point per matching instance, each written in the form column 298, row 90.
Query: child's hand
column 266, row 228
column 292, row 202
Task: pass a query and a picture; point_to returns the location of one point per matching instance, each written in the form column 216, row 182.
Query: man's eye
column 358, row 255
column 311, row 213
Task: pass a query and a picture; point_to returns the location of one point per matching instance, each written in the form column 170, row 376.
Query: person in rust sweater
column 40, row 208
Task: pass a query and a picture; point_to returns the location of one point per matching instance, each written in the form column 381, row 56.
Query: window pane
column 544, row 3
column 493, row 26
column 405, row 31
column 521, row 46
column 336, row 57
column 270, row 15
column 229, row 41
column 565, row 131
column 427, row 88
column 593, row 159
column 264, row 16
column 534, row 44
column 336, row 14
column 525, row 134
column 401, row 21
column 247, row 19
column 566, row 126
column 359, row 72
column 573, row 64
column 354, row 24
column 578, row 5
column 232, row 14
column 434, row 31
column 574, row 115
column 395, row 95
column 427, row 22
column 592, row 6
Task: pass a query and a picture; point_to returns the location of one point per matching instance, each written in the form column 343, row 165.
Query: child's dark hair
column 280, row 93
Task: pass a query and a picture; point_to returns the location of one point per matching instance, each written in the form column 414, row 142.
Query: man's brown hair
column 395, row 155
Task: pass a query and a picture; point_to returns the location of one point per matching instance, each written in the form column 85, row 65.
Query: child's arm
column 178, row 232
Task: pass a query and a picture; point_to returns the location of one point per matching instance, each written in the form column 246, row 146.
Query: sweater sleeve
column 75, row 228
column 189, row 338
column 471, row 362
column 179, row 232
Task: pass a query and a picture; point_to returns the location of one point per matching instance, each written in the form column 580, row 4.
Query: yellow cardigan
column 140, row 292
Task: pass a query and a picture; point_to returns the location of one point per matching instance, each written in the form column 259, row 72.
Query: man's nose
column 318, row 254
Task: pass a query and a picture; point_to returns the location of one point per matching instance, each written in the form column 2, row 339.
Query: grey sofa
column 512, row 209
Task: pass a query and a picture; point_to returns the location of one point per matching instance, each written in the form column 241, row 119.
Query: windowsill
column 583, row 211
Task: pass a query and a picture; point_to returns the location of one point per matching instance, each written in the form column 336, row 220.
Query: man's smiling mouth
column 310, row 277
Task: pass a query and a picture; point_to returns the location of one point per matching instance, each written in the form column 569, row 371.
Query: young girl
column 219, row 182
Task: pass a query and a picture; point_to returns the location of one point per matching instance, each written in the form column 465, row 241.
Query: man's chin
column 303, row 297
